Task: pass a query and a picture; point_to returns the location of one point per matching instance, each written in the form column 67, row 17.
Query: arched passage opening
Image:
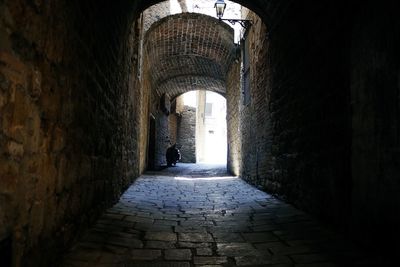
column 198, row 126
column 183, row 52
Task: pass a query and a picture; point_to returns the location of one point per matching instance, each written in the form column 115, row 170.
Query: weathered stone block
column 15, row 149
column 37, row 217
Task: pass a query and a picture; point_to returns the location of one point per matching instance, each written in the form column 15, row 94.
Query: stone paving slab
column 178, row 254
column 160, row 236
column 159, row 244
column 195, row 237
column 145, row 254
column 235, row 249
column 199, row 260
column 176, row 218
column 261, row 260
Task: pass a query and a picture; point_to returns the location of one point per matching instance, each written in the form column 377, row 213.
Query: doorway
column 151, row 155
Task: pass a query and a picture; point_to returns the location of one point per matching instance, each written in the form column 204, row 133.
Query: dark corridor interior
column 319, row 128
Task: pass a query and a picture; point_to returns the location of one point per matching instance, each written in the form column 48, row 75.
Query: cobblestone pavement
column 196, row 215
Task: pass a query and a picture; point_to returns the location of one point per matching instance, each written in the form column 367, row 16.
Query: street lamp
column 220, row 9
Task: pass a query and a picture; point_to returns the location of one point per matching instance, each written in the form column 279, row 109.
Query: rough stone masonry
column 321, row 129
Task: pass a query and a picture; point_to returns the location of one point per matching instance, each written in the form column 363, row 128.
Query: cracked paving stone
column 123, row 235
column 159, row 264
column 291, row 250
column 90, row 245
column 160, row 236
column 166, row 222
column 178, row 254
column 197, row 223
column 159, row 244
column 265, row 228
column 193, row 245
column 109, row 258
column 153, row 228
column 84, row 255
column 125, row 242
column 145, row 254
column 115, row 249
column 190, row 229
column 227, row 237
column 259, row 237
column 260, row 260
column 237, row 249
column 114, row 216
column 204, row 251
column 195, row 237
column 139, row 219
column 202, row 260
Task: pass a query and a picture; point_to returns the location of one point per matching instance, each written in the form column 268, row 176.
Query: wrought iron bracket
column 245, row 23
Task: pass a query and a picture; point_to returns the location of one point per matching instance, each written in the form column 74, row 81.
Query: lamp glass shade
column 220, row 8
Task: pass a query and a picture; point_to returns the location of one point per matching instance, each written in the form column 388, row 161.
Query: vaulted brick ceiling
column 264, row 8
column 188, row 52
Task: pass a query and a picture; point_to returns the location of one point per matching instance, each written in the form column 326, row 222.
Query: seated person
column 173, row 155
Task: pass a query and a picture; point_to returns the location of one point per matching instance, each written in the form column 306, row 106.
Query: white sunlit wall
column 215, row 142
column 211, row 130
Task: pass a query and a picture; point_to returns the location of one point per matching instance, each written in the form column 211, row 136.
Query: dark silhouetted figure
column 173, row 155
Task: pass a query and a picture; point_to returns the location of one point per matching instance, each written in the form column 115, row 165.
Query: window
column 208, row 110
column 246, row 71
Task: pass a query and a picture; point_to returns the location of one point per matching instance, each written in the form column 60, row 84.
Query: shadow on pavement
column 192, row 170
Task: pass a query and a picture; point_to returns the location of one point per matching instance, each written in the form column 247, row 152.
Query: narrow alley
column 306, row 97
column 198, row 215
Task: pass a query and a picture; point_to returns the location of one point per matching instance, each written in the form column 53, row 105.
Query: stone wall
column 375, row 120
column 143, row 110
column 155, row 13
column 310, row 107
column 255, row 122
column 173, row 128
column 295, row 130
column 162, row 138
column 177, row 106
column 187, row 134
column 322, row 126
column 163, row 120
column 233, row 98
column 68, row 135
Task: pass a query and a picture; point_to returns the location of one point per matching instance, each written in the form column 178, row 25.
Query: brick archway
column 188, row 51
column 261, row 7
